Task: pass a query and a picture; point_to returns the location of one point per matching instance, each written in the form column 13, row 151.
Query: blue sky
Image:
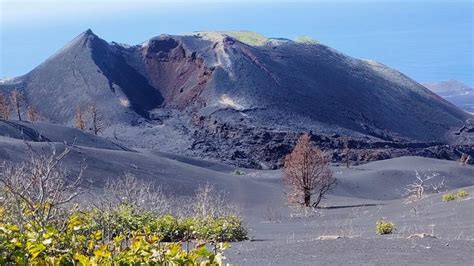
column 427, row 40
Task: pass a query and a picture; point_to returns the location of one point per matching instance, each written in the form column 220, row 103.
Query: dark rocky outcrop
column 256, row 147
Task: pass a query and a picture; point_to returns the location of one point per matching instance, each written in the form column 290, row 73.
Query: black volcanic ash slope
column 87, row 71
column 214, row 79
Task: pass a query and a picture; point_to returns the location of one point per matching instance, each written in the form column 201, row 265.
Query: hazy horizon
column 429, row 41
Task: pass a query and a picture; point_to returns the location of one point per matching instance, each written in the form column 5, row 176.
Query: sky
column 427, row 40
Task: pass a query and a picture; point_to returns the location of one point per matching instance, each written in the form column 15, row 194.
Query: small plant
column 461, row 194
column 455, row 195
column 238, row 172
column 384, row 227
column 449, row 197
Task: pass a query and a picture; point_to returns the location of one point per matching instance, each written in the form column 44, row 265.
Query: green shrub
column 121, row 220
column 124, row 220
column 119, row 236
column 448, row 197
column 454, row 195
column 77, row 244
column 462, row 194
column 173, row 229
column 220, row 229
column 384, row 227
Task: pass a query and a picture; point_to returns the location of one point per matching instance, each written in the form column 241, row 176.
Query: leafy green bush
column 221, row 229
column 125, row 219
column 77, row 247
column 121, row 220
column 124, row 237
column 384, row 227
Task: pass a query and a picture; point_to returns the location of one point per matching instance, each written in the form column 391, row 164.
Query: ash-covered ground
column 287, row 236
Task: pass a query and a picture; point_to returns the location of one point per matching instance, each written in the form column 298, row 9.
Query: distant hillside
column 454, row 91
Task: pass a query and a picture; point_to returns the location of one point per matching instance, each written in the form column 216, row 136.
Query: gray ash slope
column 364, row 194
column 209, row 89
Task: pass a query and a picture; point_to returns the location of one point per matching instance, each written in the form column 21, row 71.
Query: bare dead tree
column 423, row 184
column 96, row 119
column 306, row 173
column 79, row 119
column 4, row 107
column 32, row 114
column 138, row 193
column 16, row 99
column 438, row 187
column 37, row 189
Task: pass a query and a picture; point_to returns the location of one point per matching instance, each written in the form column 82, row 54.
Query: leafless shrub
column 138, row 193
column 306, row 173
column 39, row 188
column 423, row 183
column 130, row 190
column 300, row 212
column 347, row 229
column 272, row 215
column 342, row 228
column 211, row 202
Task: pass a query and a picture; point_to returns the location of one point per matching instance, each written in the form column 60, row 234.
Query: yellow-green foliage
column 462, row 194
column 248, row 37
column 306, row 39
column 122, row 236
column 384, row 227
column 448, row 197
column 228, row 228
column 454, row 195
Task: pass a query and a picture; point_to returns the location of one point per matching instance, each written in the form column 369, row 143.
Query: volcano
column 199, row 92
